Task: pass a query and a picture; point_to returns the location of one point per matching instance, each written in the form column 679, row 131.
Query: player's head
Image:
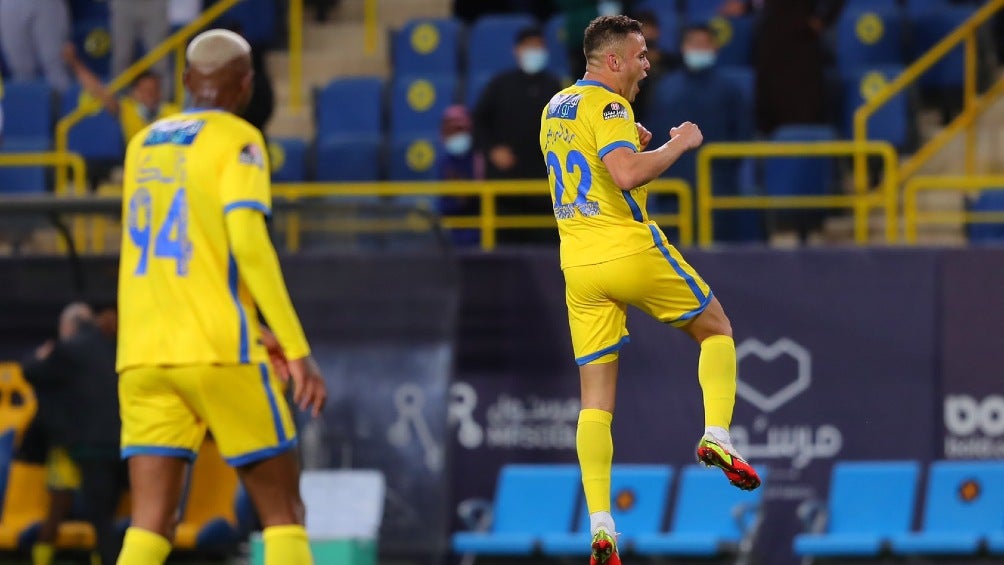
column 698, row 47
column 615, row 49
column 530, row 50
column 219, row 73
column 75, row 315
column 146, row 90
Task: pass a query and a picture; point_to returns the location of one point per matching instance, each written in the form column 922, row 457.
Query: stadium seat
column 735, row 38
column 7, row 448
column 869, row 36
column 414, row 156
column 418, row 103
column 530, row 500
column 89, row 9
column 988, row 201
column 257, row 20
column 288, row 158
column 710, row 517
column 98, row 137
column 640, row 494
column 25, row 501
column 350, row 106
column 427, row 46
column 209, row 520
column 491, row 40
column 787, row 176
column 556, row 37
column 964, row 502
column 892, row 122
column 348, row 157
column 868, row 502
column 28, row 112
column 700, row 10
column 93, row 40
column 995, row 543
column 929, row 28
column 23, row 180
column 18, row 404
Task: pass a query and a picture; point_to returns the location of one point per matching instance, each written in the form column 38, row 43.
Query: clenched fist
column 687, row 134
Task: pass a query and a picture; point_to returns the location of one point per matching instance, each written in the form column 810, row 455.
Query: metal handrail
column 912, row 216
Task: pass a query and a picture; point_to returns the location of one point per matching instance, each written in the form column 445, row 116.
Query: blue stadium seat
column 98, row 137
column 417, row 103
column 413, row 156
column 988, row 201
column 529, row 501
column 873, row 4
column 929, row 28
column 868, row 502
column 6, row 457
column 710, row 517
column 995, row 543
column 556, row 37
column 256, row 19
column 350, row 106
column 735, row 36
column 28, row 112
column 89, row 9
column 892, row 122
column 869, row 36
column 788, row 176
column 700, row 10
column 640, row 495
column 427, row 46
column 916, row 8
column 491, row 40
column 349, row 157
column 22, row 180
column 93, row 40
column 289, row 160
column 964, row 502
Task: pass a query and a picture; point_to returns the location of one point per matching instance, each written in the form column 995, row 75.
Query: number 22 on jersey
column 171, row 241
column 574, row 160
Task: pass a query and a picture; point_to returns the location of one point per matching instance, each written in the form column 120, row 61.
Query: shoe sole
column 603, row 553
column 710, row 457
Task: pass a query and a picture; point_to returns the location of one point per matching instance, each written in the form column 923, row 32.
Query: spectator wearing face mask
column 506, row 125
column 139, row 108
column 458, row 162
column 701, row 94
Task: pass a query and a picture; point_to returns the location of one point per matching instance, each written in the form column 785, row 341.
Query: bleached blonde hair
column 211, row 50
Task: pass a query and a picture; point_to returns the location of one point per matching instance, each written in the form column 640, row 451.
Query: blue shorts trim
column 176, row 452
column 233, row 279
column 280, row 430
column 696, row 311
column 261, row 454
column 676, row 267
column 587, row 359
column 615, row 145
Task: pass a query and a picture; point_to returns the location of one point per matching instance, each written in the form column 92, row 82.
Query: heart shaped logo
column 768, row 353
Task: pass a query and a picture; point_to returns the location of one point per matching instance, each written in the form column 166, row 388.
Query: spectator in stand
column 138, row 21
column 506, row 130
column 32, row 32
column 458, row 162
column 259, row 110
column 139, row 108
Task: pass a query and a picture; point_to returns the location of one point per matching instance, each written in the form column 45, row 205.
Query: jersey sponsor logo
column 614, row 110
column 251, row 154
column 564, row 106
column 173, row 132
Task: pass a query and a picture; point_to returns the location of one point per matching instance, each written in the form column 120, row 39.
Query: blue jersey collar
column 584, row 82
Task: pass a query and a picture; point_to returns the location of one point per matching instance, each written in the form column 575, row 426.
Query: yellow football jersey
column 181, row 298
column 597, row 221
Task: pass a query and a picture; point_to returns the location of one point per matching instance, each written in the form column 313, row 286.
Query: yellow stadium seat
column 210, row 519
column 18, row 404
column 25, row 505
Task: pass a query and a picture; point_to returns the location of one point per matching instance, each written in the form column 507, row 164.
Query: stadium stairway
column 337, row 48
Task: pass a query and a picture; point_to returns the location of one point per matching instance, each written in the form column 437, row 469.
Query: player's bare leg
column 717, row 374
column 595, row 448
column 156, row 485
column 274, row 487
column 60, row 505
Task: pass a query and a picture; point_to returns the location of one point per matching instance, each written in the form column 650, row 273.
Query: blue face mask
column 609, row 7
column 532, row 60
column 699, row 60
column 458, row 144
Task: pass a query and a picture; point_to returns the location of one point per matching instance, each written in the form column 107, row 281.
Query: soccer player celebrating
column 196, row 259
column 612, row 256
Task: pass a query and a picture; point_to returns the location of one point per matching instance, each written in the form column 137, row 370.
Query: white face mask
column 698, row 60
column 458, row 144
column 532, row 60
column 609, row 7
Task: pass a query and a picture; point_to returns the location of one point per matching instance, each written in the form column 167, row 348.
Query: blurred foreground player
column 612, row 256
column 196, row 259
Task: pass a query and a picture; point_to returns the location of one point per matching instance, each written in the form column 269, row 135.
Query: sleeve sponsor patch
column 615, row 110
column 251, row 154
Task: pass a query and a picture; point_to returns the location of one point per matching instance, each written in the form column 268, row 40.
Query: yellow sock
column 142, row 547
column 595, row 447
column 717, row 373
column 42, row 554
column 287, row 545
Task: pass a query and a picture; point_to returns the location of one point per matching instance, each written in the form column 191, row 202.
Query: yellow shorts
column 166, row 411
column 658, row 281
column 61, row 471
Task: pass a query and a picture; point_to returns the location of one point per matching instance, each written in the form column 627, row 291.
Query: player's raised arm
column 630, row 169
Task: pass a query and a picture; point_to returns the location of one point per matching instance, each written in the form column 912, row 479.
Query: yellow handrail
column 78, row 167
column 487, row 191
column 296, row 55
column 861, row 202
column 371, row 20
column 177, row 40
column 967, row 184
column 973, row 105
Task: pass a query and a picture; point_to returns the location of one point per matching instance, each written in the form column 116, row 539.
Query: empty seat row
column 538, row 508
